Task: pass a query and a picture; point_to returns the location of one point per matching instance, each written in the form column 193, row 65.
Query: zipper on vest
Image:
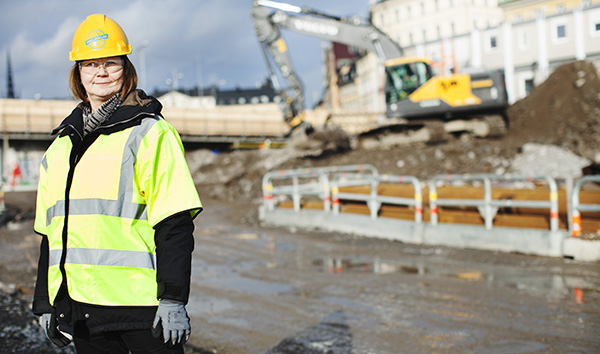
column 74, row 158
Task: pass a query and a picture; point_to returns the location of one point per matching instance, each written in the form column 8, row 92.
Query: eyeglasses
column 92, row 67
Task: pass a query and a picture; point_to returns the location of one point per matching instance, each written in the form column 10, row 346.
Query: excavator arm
column 270, row 16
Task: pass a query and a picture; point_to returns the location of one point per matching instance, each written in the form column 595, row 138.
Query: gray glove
column 49, row 322
column 173, row 319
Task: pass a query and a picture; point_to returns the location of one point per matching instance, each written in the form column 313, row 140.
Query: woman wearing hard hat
column 115, row 210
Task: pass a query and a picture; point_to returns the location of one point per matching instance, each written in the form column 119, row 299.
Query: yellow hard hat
column 98, row 36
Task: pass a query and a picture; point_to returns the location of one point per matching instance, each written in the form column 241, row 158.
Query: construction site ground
column 282, row 290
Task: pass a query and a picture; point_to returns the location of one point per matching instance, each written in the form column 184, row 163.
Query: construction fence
column 482, row 199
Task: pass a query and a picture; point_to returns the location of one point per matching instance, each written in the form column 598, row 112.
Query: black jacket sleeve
column 41, row 301
column 174, row 246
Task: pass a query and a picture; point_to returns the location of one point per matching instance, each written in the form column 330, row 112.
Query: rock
column 539, row 159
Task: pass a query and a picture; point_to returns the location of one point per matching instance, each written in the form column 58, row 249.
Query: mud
column 273, row 290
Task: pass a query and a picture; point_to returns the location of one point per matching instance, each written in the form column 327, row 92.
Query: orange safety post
column 576, row 223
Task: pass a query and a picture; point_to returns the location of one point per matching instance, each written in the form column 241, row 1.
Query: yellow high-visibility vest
column 123, row 185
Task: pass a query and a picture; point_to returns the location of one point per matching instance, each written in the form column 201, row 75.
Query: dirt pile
column 564, row 111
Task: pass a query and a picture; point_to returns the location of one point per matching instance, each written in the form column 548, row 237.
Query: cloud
column 209, row 41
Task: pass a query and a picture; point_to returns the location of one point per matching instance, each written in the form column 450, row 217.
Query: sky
column 201, row 42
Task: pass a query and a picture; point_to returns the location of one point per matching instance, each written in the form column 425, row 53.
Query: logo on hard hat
column 96, row 39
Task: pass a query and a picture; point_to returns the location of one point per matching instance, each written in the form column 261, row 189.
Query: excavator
column 415, row 98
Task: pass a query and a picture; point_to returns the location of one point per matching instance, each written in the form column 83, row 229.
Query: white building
column 178, row 99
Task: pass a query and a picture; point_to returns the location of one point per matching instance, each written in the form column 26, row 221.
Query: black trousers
column 125, row 342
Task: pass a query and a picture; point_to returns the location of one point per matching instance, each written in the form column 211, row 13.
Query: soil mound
column 564, row 111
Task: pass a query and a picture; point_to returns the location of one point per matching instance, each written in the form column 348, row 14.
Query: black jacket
column 173, row 237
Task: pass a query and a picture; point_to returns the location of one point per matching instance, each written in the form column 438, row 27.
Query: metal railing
column 577, row 207
column 373, row 199
column 325, row 184
column 487, row 206
column 298, row 190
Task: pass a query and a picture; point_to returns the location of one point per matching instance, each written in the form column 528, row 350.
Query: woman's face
column 101, row 78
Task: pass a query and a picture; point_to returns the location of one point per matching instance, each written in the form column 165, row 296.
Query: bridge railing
column 327, row 184
column 488, row 207
column 577, row 207
column 374, row 200
column 305, row 182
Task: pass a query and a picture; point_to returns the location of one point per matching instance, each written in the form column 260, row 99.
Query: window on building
column 491, row 41
column 561, row 31
column 424, row 35
column 422, row 8
column 453, row 28
column 594, row 22
column 561, row 8
column 529, row 86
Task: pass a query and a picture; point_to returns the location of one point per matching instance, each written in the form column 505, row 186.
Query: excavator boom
column 415, row 98
column 269, row 16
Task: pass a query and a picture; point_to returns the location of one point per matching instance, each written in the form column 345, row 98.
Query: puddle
column 552, row 286
column 376, row 266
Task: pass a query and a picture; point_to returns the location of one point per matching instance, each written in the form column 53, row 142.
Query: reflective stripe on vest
column 119, row 258
column 98, row 207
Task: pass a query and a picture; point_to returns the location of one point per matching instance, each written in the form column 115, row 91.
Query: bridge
column 25, row 127
column 34, row 119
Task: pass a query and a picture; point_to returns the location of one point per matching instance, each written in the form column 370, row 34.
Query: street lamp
column 142, row 62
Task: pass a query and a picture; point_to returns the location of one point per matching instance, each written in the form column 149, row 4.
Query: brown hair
column 129, row 80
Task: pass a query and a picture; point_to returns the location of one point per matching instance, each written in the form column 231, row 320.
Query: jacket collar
column 136, row 104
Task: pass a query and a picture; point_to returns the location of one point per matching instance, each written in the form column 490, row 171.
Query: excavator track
column 497, row 126
column 437, row 133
